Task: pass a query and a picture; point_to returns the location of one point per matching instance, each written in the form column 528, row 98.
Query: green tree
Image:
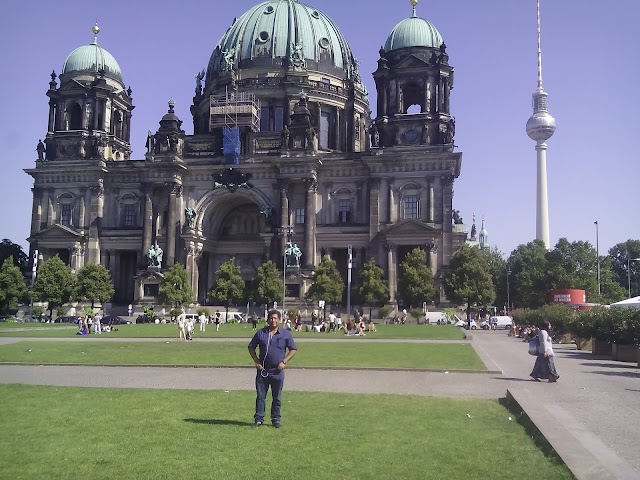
column 609, row 286
column 624, row 268
column 327, row 283
column 10, row 249
column 529, row 281
column 229, row 285
column 468, row 280
column 174, row 287
column 415, row 282
column 94, row 284
column 371, row 288
column 13, row 288
column 497, row 268
column 267, row 287
column 54, row 283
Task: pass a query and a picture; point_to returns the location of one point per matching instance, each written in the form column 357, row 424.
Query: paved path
column 590, row 416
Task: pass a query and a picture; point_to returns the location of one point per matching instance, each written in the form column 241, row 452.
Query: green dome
column 91, row 59
column 267, row 34
column 413, row 32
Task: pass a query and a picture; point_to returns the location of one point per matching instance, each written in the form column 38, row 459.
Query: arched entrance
column 232, row 226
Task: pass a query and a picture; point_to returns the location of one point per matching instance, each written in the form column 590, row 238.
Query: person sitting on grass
column 361, row 328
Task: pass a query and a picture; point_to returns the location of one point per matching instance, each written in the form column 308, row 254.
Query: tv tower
column 540, row 127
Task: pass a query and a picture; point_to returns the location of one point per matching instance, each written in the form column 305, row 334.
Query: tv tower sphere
column 541, row 126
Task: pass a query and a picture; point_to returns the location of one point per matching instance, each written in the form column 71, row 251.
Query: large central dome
column 276, row 32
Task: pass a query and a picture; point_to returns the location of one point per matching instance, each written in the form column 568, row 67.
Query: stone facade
column 310, row 158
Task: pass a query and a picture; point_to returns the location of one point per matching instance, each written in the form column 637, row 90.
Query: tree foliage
column 468, row 281
column 13, row 288
column 327, row 282
column 267, row 287
column 94, row 284
column 54, row 283
column 174, row 288
column 497, row 268
column 415, row 282
column 529, row 281
column 623, row 266
column 229, row 285
column 10, row 249
column 371, row 288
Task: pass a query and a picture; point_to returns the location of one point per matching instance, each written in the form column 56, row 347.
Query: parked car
column 114, row 320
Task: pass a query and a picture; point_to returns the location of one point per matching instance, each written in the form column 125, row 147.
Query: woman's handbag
column 534, row 346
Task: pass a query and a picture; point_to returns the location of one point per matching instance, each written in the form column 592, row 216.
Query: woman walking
column 544, row 366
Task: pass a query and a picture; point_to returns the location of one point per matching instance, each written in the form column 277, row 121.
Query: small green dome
column 269, row 34
column 91, row 59
column 413, row 32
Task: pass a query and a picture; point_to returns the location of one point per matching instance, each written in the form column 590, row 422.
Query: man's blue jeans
column 275, row 380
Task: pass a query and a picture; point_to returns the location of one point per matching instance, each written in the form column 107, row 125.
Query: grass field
column 237, row 330
column 77, row 433
column 451, row 356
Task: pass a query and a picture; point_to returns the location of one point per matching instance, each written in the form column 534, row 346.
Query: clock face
column 411, row 136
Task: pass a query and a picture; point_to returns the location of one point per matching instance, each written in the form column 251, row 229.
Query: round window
column 324, row 42
column 315, row 14
column 268, row 10
column 263, row 37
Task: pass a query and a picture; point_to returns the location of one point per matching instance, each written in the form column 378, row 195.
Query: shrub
column 416, row 313
column 202, row 311
column 36, row 312
column 61, row 311
column 384, row 312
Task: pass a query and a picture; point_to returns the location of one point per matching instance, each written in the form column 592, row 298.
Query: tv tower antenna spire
column 540, row 127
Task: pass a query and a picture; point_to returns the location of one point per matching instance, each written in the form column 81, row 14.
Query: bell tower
column 90, row 110
column 414, row 82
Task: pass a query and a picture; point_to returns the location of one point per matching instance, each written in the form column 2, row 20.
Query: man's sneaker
column 276, row 424
column 256, row 424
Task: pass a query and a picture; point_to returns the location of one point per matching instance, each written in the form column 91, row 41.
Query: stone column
column 284, row 213
column 424, row 206
column 384, row 200
column 393, row 204
column 36, row 211
column 52, row 118
column 338, row 134
column 431, row 218
column 112, row 265
column 447, row 198
column 147, row 219
column 391, row 271
column 95, row 216
column 310, row 224
column 171, row 224
column 82, row 218
column 50, row 195
column 374, row 207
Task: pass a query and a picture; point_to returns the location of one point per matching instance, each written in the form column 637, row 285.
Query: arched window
column 66, row 207
column 129, row 208
column 410, row 201
column 412, row 96
column 74, row 113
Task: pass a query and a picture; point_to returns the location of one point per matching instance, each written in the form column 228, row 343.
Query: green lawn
column 72, row 433
column 450, row 356
column 243, row 330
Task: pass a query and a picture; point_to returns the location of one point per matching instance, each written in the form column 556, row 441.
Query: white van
column 501, row 321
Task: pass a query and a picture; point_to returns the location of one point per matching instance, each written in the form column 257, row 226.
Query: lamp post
column 349, row 266
column 597, row 254
column 629, row 260
column 34, row 272
column 286, row 231
column 508, row 291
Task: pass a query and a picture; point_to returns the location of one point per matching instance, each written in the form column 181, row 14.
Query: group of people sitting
column 86, row 322
column 334, row 324
column 525, row 332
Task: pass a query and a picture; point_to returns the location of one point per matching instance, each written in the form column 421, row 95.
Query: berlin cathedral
column 284, row 150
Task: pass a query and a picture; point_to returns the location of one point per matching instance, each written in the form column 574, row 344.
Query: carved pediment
column 411, row 62
column 407, row 230
column 57, row 233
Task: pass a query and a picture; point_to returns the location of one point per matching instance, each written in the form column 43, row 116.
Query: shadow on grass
column 216, row 421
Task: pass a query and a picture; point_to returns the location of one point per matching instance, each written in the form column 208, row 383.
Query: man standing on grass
column 274, row 343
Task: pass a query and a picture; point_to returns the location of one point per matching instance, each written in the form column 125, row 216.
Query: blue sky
column 590, row 70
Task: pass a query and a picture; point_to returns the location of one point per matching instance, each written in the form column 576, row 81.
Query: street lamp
column 629, row 260
column 349, row 267
column 508, row 290
column 597, row 254
column 286, row 231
